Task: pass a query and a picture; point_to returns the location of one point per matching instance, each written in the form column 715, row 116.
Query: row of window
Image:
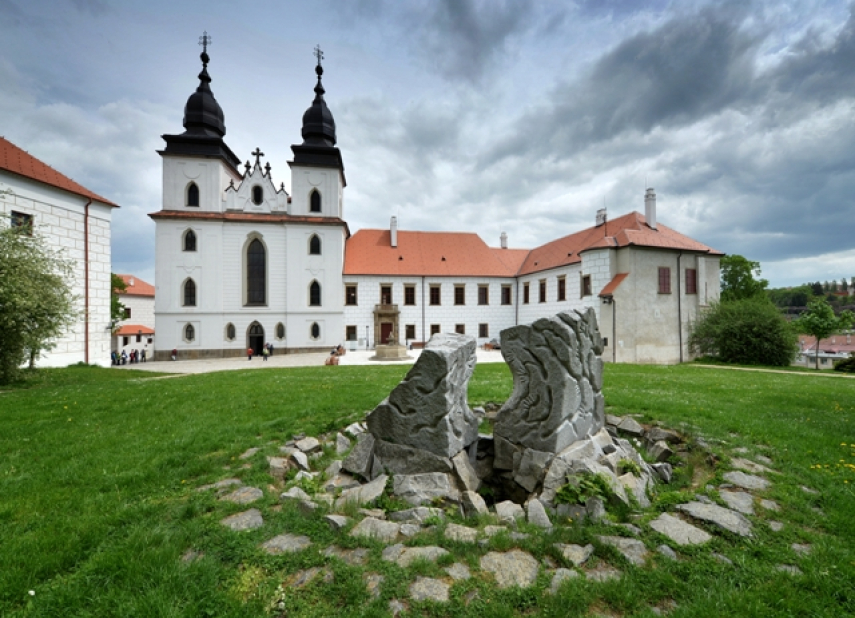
column 585, row 289
column 192, row 197
column 189, row 243
column 434, row 297
column 410, row 331
column 255, row 330
column 255, row 293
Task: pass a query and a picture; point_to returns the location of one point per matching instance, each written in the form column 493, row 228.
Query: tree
column 817, row 288
column 749, row 331
column 738, row 278
column 117, row 309
column 36, row 301
column 819, row 321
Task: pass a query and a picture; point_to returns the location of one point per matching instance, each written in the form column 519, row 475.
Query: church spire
column 318, row 123
column 202, row 114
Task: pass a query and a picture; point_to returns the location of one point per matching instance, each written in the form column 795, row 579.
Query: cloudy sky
column 471, row 115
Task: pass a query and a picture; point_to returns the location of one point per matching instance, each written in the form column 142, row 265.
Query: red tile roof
column 369, row 252
column 430, row 254
column 136, row 286
column 834, row 344
column 17, row 161
column 628, row 230
column 612, row 285
column 134, row 329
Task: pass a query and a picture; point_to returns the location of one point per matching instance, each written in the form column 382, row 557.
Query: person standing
column 265, row 353
column 249, row 353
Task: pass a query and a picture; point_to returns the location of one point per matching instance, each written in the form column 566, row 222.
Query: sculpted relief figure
column 428, row 409
column 558, row 377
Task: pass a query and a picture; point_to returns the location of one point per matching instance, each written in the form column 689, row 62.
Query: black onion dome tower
column 204, row 121
column 318, row 148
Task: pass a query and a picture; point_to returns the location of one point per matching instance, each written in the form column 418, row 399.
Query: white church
column 241, row 263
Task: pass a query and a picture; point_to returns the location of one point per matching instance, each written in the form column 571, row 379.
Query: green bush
column 746, row 332
column 846, row 365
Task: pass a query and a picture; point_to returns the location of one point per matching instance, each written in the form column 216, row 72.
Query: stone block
column 428, row 409
column 532, row 468
column 466, row 474
column 361, row 457
column 308, row 445
column 537, row 514
column 473, row 504
column 342, row 444
column 385, row 531
column 421, row 488
column 509, row 512
column 402, row 459
column 660, row 451
column 364, row 493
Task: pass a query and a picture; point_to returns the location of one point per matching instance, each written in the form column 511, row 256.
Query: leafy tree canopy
column 36, row 300
column 820, row 321
column 117, row 309
column 740, row 278
column 749, row 331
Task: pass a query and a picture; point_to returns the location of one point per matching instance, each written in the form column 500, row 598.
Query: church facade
column 241, row 263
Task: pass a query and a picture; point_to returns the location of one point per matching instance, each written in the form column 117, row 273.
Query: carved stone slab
column 428, row 409
column 558, row 377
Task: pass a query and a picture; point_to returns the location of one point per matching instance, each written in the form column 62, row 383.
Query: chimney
column 503, row 240
column 131, row 282
column 393, row 231
column 601, row 217
column 650, row 208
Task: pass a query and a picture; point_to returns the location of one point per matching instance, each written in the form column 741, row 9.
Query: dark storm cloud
column 458, row 39
column 688, row 68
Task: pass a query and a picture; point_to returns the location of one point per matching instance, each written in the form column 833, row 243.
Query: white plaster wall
column 60, row 216
column 327, row 181
column 212, row 176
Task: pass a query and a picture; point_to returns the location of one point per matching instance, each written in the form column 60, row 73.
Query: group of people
column 136, row 356
column 266, row 351
column 334, row 354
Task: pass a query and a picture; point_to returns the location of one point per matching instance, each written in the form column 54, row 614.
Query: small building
column 76, row 220
column 135, row 331
column 831, row 349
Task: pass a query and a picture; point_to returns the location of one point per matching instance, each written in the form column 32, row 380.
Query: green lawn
column 98, row 471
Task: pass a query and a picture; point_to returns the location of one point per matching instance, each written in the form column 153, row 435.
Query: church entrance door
column 385, row 332
column 255, row 338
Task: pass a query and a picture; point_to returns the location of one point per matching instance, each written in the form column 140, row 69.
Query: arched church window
column 230, row 331
column 316, row 331
column 257, row 195
column 314, row 245
column 189, row 333
column 256, row 266
column 315, row 294
column 280, row 331
column 192, row 194
column 190, row 240
column 315, row 201
column 189, row 293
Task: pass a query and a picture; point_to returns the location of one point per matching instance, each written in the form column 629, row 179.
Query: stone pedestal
column 390, row 353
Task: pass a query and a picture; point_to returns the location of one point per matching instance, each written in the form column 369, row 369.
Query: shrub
column 846, row 365
column 746, row 332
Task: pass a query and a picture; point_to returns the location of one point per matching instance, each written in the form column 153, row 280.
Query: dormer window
column 315, row 201
column 193, row 195
column 257, row 195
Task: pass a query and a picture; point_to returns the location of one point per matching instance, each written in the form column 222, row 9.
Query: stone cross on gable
column 257, row 154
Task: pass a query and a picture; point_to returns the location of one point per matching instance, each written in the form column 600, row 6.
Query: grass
column 98, row 471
